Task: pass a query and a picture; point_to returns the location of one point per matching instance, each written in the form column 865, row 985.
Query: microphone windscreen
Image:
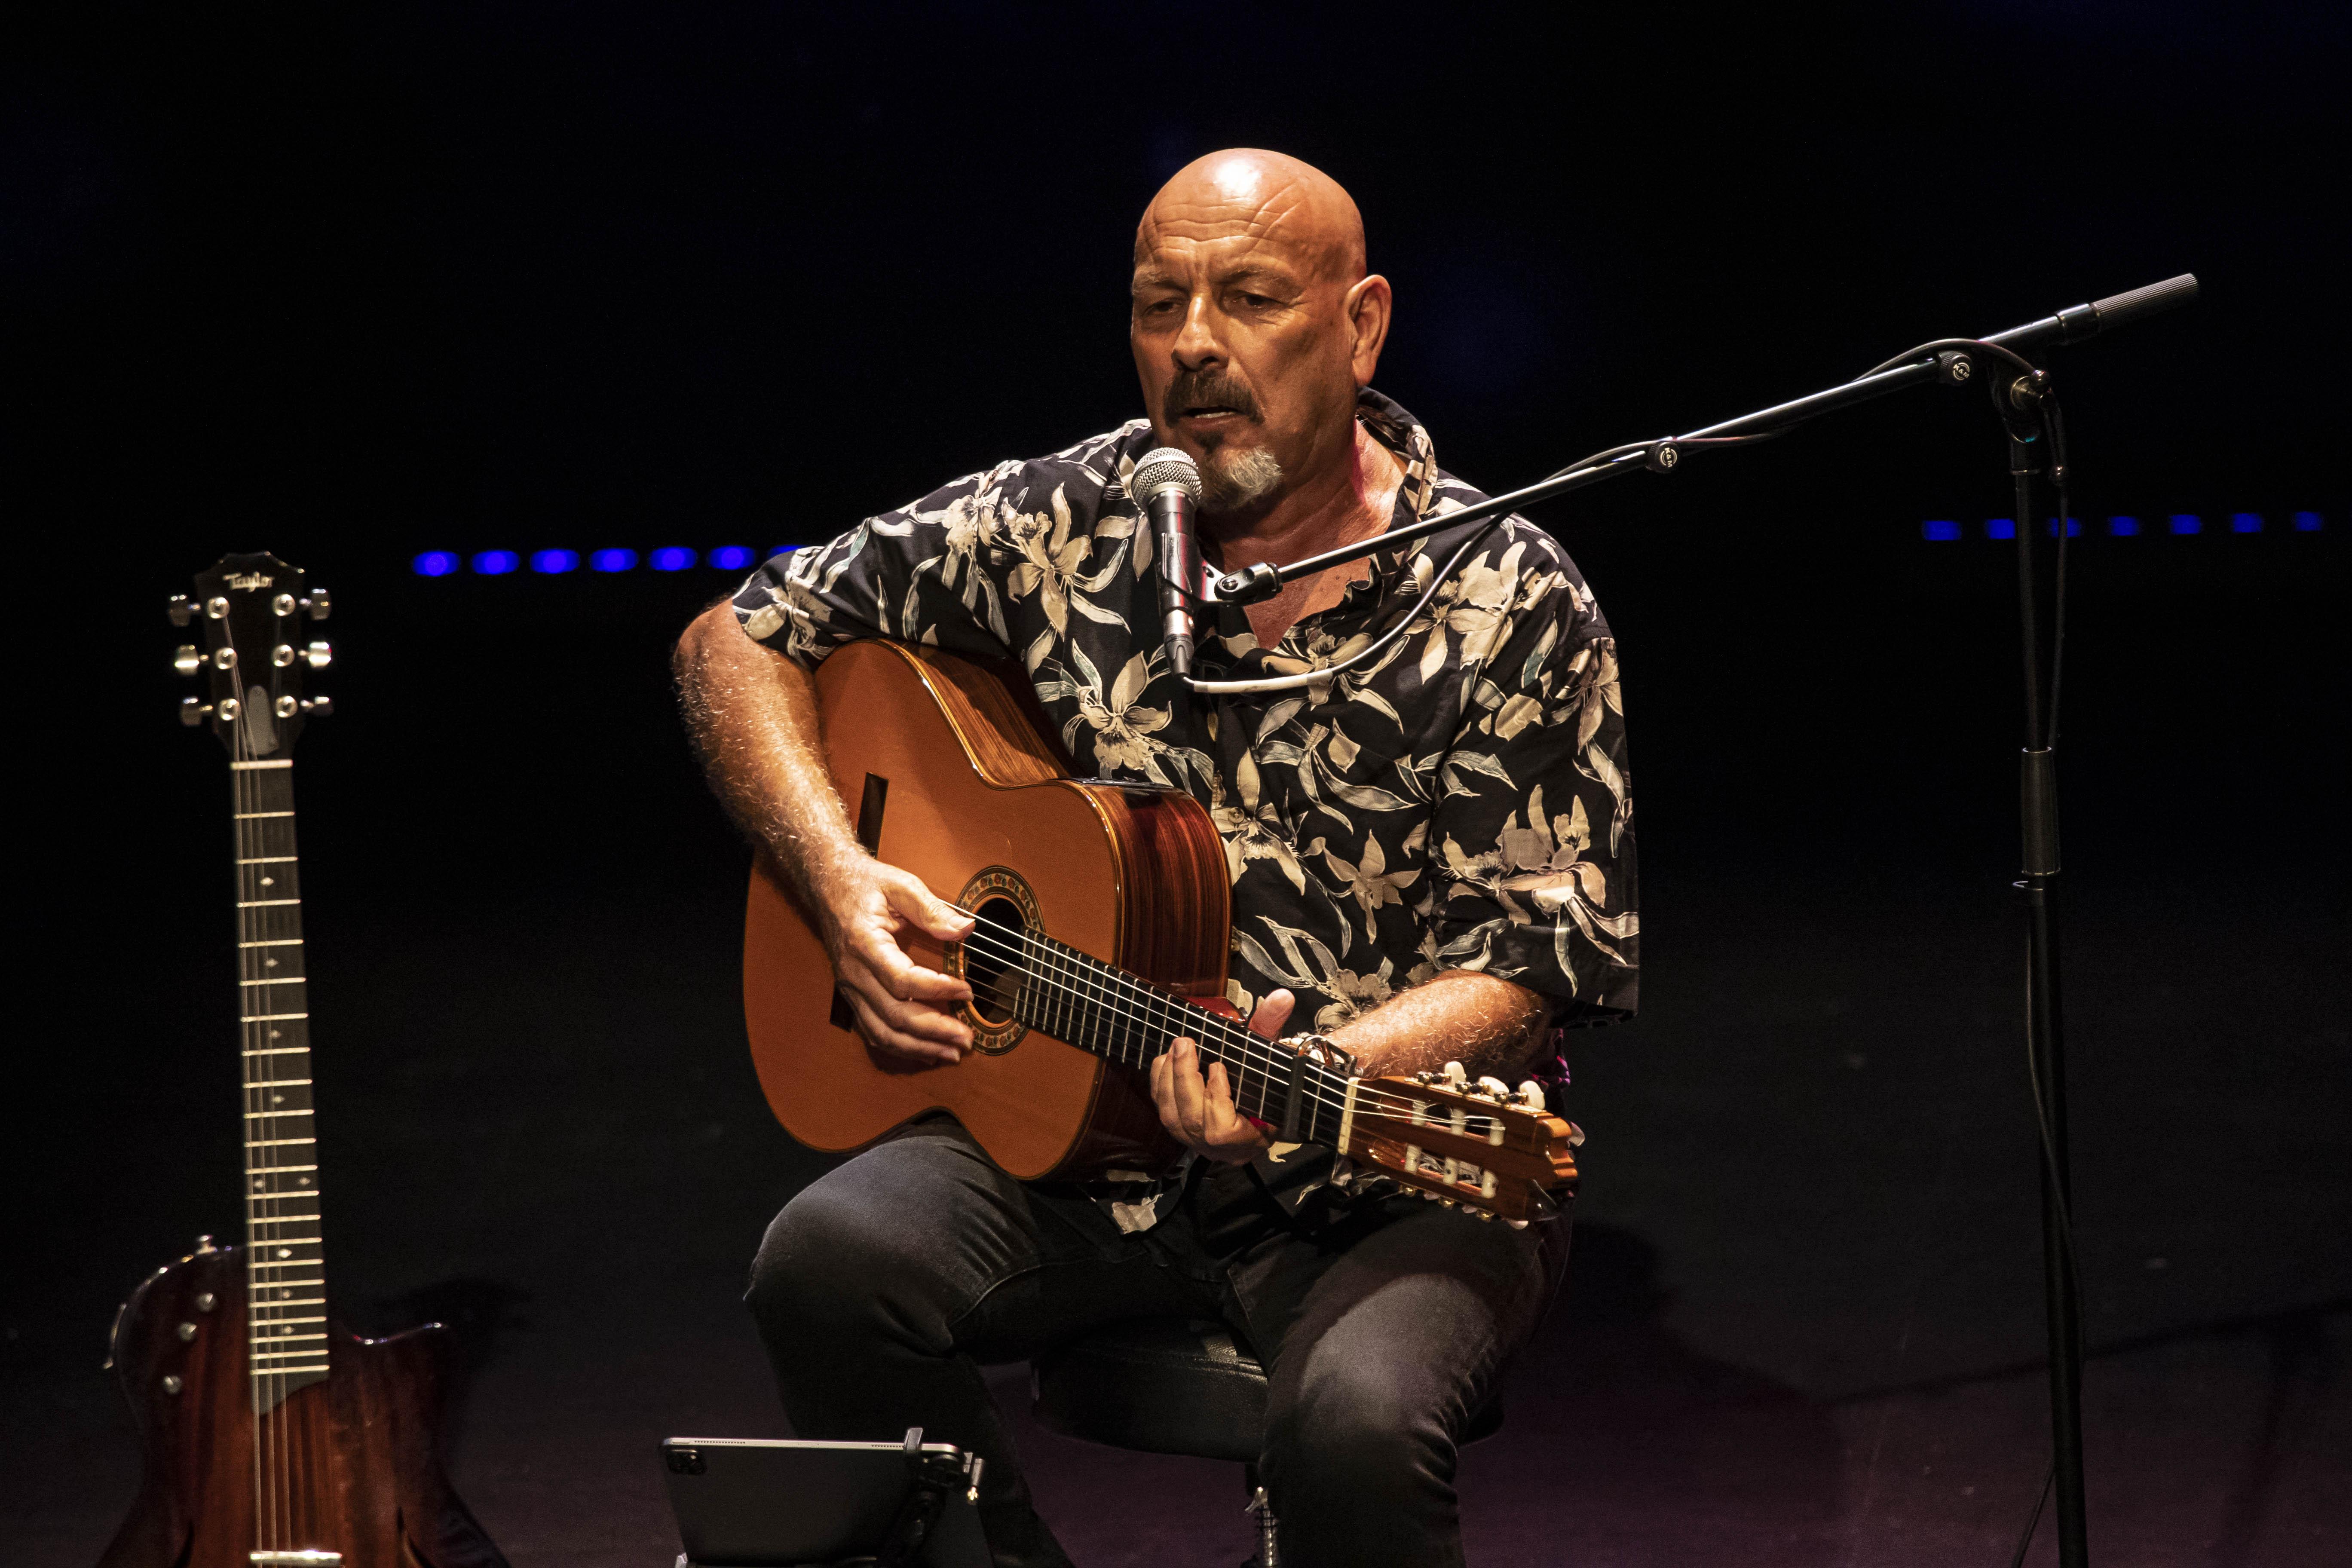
column 1164, row 465
column 2117, row 308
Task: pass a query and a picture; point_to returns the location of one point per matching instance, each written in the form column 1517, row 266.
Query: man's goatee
column 1231, row 480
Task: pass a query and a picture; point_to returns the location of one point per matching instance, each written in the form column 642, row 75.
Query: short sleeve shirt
column 1460, row 802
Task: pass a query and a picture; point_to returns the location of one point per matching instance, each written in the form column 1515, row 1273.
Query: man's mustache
column 1194, row 389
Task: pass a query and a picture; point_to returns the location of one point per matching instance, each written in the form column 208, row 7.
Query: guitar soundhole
column 991, row 965
column 990, row 959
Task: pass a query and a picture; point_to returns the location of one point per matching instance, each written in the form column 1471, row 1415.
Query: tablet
column 746, row 1502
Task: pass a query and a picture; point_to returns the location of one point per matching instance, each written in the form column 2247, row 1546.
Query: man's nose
column 1197, row 346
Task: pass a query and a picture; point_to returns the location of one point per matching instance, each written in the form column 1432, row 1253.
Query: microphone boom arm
column 1952, row 363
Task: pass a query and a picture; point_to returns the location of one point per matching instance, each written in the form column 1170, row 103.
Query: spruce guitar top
column 1102, row 936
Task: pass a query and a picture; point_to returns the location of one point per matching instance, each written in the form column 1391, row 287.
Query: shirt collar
column 1408, row 437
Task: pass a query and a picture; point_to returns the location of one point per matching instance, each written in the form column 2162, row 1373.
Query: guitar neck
column 1101, row 1009
column 285, row 1260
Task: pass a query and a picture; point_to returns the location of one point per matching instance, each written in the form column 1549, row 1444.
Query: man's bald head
column 1255, row 323
column 1273, row 195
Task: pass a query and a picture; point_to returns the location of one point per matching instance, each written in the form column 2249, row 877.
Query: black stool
column 1172, row 1385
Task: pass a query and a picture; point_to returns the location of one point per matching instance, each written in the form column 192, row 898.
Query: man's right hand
column 903, row 1009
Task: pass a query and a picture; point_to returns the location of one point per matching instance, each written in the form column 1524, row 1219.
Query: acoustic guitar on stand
column 273, row 1439
column 1102, row 916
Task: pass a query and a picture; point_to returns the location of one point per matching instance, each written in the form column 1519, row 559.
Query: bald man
column 1431, row 859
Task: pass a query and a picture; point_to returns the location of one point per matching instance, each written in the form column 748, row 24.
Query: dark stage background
column 356, row 282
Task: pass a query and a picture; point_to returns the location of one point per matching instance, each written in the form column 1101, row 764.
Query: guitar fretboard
column 1101, row 1009
column 286, row 1275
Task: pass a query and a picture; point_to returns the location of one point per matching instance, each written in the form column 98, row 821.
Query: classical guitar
column 1102, row 930
column 270, row 1436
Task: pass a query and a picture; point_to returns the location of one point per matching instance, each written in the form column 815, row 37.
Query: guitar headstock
column 252, row 657
column 1496, row 1152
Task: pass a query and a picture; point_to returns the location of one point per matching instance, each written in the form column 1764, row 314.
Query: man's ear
column 1367, row 307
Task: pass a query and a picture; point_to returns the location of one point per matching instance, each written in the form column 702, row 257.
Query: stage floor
column 1800, row 1325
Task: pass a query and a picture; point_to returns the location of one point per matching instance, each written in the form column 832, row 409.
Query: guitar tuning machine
column 182, row 609
column 192, row 712
column 318, row 656
column 187, row 659
column 318, row 707
column 317, row 604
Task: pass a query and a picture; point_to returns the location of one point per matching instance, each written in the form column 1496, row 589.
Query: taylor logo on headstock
column 254, row 654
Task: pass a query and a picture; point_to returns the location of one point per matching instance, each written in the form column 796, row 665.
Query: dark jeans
column 883, row 1288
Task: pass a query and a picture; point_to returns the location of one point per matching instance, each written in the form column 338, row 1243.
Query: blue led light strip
column 2183, row 524
column 554, row 562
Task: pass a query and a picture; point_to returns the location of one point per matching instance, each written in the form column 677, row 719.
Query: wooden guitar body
column 359, row 1451
column 950, row 777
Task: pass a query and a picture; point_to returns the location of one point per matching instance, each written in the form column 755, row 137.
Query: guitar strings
column 243, row 804
column 1492, row 1121
column 1254, row 1047
column 269, row 1390
column 1166, row 1014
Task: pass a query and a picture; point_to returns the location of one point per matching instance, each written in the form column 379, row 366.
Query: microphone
column 1166, row 485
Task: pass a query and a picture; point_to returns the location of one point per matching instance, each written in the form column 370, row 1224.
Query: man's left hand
column 1199, row 1109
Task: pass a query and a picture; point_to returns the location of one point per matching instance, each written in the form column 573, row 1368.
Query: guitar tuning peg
column 316, row 605
column 182, row 609
column 1456, row 1075
column 1495, row 1087
column 192, row 712
column 1531, row 1095
column 187, row 659
column 318, row 655
column 319, row 707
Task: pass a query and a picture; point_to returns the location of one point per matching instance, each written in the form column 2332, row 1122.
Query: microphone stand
column 2028, row 406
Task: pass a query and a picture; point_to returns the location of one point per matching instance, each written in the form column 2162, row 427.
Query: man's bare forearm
column 1489, row 1025
column 752, row 714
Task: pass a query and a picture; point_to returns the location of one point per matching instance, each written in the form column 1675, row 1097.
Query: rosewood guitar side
column 949, row 776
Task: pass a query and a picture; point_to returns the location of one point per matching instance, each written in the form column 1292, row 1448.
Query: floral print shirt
column 1461, row 803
